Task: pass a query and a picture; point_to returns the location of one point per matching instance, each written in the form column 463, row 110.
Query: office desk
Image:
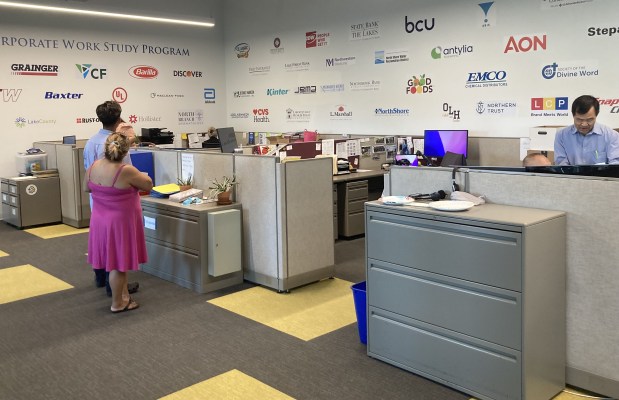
column 351, row 191
column 198, row 247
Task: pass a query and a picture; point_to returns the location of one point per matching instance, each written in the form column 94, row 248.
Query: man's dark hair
column 583, row 104
column 109, row 113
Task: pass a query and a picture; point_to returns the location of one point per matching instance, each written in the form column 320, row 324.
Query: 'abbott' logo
column 10, row 95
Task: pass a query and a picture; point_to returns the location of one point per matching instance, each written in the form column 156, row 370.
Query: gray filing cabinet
column 28, row 201
column 474, row 300
column 351, row 198
column 198, row 246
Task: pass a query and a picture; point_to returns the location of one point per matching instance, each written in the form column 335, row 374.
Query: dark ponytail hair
column 116, row 147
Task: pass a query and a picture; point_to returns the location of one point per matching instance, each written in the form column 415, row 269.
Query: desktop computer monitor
column 438, row 142
column 227, row 140
column 68, row 139
column 406, row 160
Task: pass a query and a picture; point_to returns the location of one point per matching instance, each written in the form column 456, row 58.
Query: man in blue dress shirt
column 109, row 116
column 586, row 142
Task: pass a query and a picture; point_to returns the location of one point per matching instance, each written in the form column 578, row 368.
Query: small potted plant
column 222, row 189
column 185, row 183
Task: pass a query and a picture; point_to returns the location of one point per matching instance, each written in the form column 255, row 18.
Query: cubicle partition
column 287, row 211
column 68, row 159
column 592, row 254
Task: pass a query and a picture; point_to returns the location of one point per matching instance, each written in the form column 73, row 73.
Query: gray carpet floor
column 67, row 345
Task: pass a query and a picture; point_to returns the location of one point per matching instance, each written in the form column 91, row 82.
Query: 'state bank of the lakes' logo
column 87, row 70
column 34, row 69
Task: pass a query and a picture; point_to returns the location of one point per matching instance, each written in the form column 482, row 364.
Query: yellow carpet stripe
column 53, row 231
column 306, row 312
column 231, row 385
column 3, row 254
column 25, row 281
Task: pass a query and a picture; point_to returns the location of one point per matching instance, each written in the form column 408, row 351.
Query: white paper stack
column 180, row 196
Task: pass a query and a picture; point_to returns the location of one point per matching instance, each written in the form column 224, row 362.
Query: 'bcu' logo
column 95, row 73
column 143, row 72
column 418, row 26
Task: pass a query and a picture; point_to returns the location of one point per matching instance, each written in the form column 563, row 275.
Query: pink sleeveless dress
column 116, row 238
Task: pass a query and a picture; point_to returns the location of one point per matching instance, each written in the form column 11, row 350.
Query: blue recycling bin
column 359, row 296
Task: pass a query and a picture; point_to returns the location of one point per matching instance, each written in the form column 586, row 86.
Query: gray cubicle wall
column 305, row 217
column 209, row 166
column 592, row 254
column 257, row 192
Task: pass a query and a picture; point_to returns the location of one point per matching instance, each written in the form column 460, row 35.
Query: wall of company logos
column 398, row 67
column 55, row 70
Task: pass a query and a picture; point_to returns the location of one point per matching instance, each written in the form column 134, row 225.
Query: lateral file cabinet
column 335, row 230
column 28, row 201
column 474, row 300
column 197, row 246
column 350, row 208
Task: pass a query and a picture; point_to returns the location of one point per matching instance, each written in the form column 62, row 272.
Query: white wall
column 50, row 119
column 456, row 24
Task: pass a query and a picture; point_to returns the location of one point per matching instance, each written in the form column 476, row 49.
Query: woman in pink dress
column 116, row 238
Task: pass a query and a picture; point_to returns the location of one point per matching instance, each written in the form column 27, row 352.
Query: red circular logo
column 119, row 95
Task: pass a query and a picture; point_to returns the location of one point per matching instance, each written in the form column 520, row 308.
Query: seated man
column 586, row 142
column 535, row 160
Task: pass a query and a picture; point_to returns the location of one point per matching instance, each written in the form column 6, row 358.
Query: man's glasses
column 580, row 121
